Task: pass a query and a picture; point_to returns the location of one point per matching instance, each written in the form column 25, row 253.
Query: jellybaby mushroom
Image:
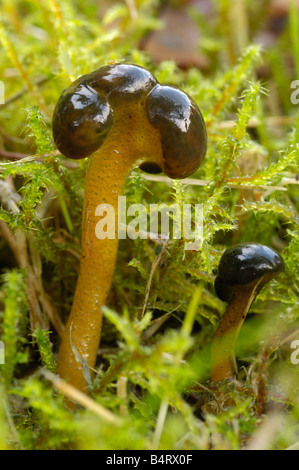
column 122, row 118
column 243, row 270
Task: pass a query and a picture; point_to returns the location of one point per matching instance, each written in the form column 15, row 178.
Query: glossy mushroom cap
column 182, row 129
column 243, row 264
column 86, row 111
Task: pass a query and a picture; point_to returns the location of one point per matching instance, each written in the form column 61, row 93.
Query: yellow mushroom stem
column 223, row 346
column 131, row 141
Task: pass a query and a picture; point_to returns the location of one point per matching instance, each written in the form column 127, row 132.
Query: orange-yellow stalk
column 131, row 140
column 227, row 333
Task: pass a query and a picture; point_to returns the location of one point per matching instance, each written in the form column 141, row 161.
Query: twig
column 80, row 398
column 254, row 122
column 230, row 184
column 160, row 239
column 33, row 158
column 12, row 155
column 160, row 422
column 289, row 337
column 122, row 393
column 20, row 93
column 132, row 9
column 9, row 197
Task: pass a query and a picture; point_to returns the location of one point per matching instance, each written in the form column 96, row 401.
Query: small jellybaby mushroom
column 122, row 118
column 243, row 270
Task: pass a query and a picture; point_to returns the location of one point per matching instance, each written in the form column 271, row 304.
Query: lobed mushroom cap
column 83, row 117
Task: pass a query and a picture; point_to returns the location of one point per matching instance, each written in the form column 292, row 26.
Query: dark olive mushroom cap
column 83, row 117
column 244, row 263
column 122, row 82
column 182, row 129
column 82, row 120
